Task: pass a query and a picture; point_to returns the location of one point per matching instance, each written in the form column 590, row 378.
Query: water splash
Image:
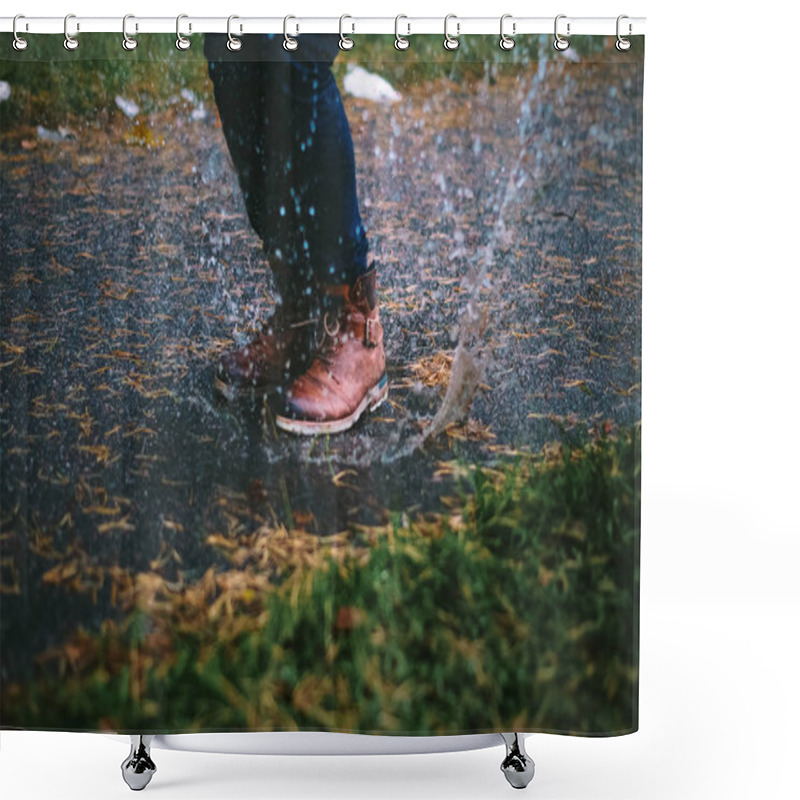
column 470, row 358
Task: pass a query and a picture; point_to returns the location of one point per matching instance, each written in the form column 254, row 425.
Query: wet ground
column 128, row 265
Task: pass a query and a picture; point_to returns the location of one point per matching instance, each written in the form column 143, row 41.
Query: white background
column 720, row 604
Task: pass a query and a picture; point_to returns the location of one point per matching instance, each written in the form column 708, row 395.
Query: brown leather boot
column 281, row 351
column 348, row 373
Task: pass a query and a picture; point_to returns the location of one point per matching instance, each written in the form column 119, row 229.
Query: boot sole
column 306, row 427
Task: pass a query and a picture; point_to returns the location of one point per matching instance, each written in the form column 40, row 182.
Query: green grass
column 52, row 86
column 517, row 610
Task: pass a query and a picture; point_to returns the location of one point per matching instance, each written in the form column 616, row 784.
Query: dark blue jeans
column 289, row 139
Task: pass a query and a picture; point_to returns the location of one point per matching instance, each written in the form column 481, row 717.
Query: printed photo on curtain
column 320, row 385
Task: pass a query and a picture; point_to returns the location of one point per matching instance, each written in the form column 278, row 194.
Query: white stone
column 127, row 107
column 369, row 86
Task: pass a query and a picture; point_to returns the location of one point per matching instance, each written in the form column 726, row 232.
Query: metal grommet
column 450, row 42
column 289, row 43
column 345, row 43
column 182, row 43
column 506, row 42
column 70, row 42
column 335, row 331
column 19, row 43
column 234, row 44
column 400, row 42
column 623, row 44
column 128, row 42
column 560, row 43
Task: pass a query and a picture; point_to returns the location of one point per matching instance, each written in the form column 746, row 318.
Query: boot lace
column 328, row 328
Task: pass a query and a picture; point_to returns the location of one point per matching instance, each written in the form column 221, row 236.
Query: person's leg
column 289, row 139
column 331, row 243
column 348, row 373
column 290, row 142
column 248, row 94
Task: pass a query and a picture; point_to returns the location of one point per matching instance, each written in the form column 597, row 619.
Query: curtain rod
column 351, row 26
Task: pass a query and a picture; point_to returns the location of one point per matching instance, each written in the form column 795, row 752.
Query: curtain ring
column 70, row 42
column 19, row 42
column 289, row 43
column 182, row 43
column 128, row 42
column 560, row 43
column 400, row 42
column 451, row 42
column 623, row 44
column 506, row 42
column 345, row 43
column 234, row 44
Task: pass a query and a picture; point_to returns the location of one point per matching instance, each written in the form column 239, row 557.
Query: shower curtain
column 320, row 391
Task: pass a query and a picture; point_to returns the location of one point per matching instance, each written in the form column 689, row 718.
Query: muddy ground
column 128, row 265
